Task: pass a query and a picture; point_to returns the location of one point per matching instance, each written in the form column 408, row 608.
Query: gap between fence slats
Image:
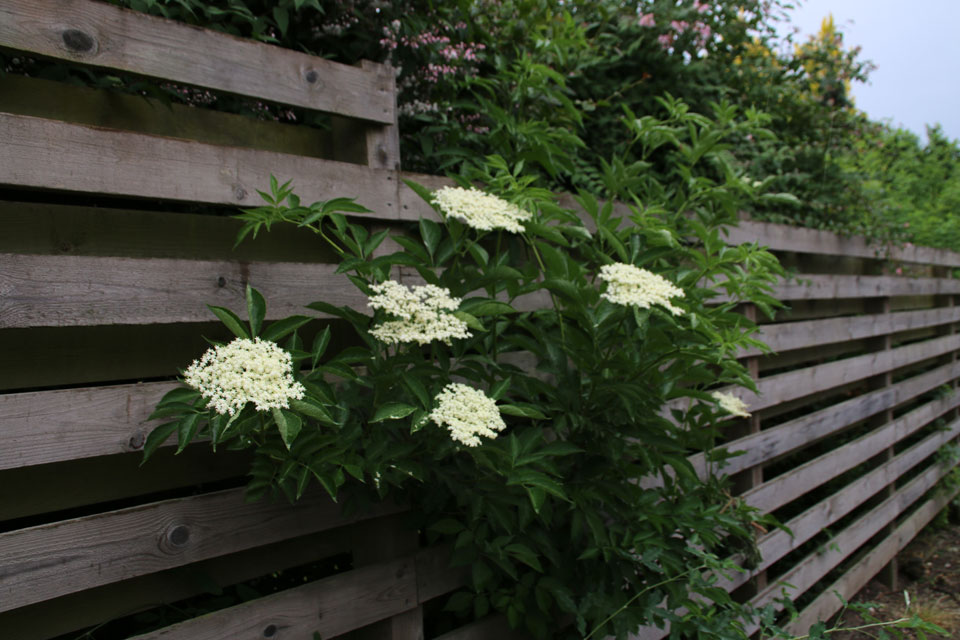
column 55, row 559
column 49, row 154
column 791, row 485
column 330, row 606
column 101, row 35
column 827, row 603
column 788, row 336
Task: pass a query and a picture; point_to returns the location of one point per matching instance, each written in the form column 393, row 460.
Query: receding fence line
column 830, row 409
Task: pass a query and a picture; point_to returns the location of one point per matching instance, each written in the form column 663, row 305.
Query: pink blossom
column 665, row 40
column 679, row 25
column 701, row 7
column 647, row 20
column 899, row 271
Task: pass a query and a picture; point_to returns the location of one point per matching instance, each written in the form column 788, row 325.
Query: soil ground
column 929, row 569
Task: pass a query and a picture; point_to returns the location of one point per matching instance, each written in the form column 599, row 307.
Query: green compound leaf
column 283, row 327
column 231, row 320
column 288, row 424
column 523, row 411
column 392, row 411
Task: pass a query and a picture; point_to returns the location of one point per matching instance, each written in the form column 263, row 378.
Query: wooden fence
column 105, row 271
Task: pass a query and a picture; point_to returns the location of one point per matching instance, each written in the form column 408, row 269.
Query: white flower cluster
column 467, row 413
column 232, row 375
column 731, row 404
column 480, row 210
column 423, row 312
column 632, row 286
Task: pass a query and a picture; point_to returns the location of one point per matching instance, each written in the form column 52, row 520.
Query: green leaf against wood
column 470, row 320
column 432, row 233
column 186, row 429
column 313, row 409
column 485, row 307
column 283, row 327
column 157, row 437
column 288, row 424
column 256, row 310
column 392, row 411
column 320, row 344
column 231, row 320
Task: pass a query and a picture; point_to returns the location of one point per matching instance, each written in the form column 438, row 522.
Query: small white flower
column 232, row 375
column 424, row 314
column 632, row 286
column 731, row 404
column 480, row 210
column 467, row 413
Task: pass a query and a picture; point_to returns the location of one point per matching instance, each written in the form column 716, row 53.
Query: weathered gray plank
column 330, row 607
column 808, row 571
column 494, row 626
column 62, row 291
column 435, row 576
column 812, row 521
column 55, row 559
column 101, row 35
column 787, row 336
column 104, row 108
column 784, row 438
column 49, row 154
column 40, row 489
column 790, row 238
column 799, row 480
column 88, row 608
column 827, row 603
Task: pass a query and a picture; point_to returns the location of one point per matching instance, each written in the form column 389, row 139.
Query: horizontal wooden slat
column 790, row 238
column 770, row 443
column 814, row 520
column 805, row 526
column 330, row 607
column 51, row 560
column 783, row 387
column 787, row 336
column 805, row 286
column 827, row 603
column 63, row 291
column 101, row 35
column 70, row 613
column 49, row 154
column 435, row 576
column 494, row 626
column 807, row 572
column 50, row 426
column 40, row 489
column 791, row 485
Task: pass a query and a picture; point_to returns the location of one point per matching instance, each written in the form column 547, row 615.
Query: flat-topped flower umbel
column 424, row 314
column 731, row 404
column 629, row 285
column 243, row 371
column 467, row 413
column 480, row 210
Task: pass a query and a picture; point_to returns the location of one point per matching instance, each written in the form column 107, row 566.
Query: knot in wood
column 179, row 535
column 221, row 282
column 270, row 631
column 240, row 193
column 78, row 41
column 136, row 440
column 311, row 76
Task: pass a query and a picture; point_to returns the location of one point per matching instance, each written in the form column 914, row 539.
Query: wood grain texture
column 794, row 483
column 790, row 238
column 101, row 35
column 55, row 559
column 64, row 291
column 40, row 489
column 808, row 571
column 48, row 154
column 330, row 607
column 807, row 429
column 805, row 286
column 827, row 603
column 88, row 608
column 104, row 108
column 788, row 336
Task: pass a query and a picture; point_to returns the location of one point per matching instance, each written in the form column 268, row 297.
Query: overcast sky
column 916, row 48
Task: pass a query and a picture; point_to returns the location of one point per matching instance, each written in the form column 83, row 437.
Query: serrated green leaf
column 320, row 344
column 256, row 310
column 230, row 320
column 288, row 424
column 432, row 233
column 187, row 429
column 470, row 320
column 157, row 437
column 523, row 411
column 392, row 411
column 283, row 327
